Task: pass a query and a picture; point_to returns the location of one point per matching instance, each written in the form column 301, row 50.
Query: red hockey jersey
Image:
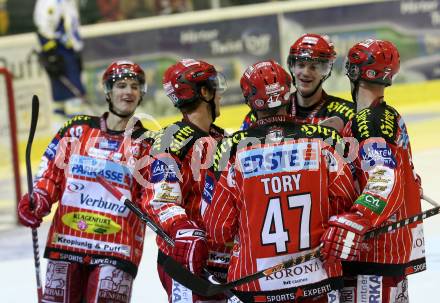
column 90, row 226
column 390, row 191
column 274, row 198
column 181, row 155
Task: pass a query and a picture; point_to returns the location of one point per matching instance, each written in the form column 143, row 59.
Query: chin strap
column 110, row 108
column 314, row 91
column 354, row 91
column 212, row 105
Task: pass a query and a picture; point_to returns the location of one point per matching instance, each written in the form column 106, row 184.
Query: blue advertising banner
column 229, row 45
column 232, row 45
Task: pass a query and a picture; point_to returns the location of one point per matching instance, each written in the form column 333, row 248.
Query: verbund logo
column 74, row 187
column 102, row 204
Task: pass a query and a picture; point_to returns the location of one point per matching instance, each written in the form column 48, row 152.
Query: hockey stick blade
column 33, row 127
column 206, row 288
column 30, row 185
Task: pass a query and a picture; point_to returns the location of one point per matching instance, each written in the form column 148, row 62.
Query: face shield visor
column 301, row 64
column 124, row 74
column 218, row 83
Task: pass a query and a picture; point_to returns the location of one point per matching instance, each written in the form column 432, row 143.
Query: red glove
column 190, row 248
column 343, row 237
column 33, row 217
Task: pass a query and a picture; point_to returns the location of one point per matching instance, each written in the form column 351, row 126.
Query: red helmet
column 123, row 69
column 266, row 85
column 372, row 60
column 183, row 80
column 313, row 47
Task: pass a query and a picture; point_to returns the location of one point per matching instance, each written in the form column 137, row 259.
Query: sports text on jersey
column 208, row 189
column 91, row 196
column 377, row 154
column 280, row 158
column 341, row 108
column 82, row 243
column 90, row 167
column 163, row 170
column 220, row 157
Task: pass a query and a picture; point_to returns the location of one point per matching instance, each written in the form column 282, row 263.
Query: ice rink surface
column 17, row 273
column 17, row 278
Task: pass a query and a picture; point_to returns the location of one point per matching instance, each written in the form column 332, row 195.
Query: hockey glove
column 52, row 62
column 343, row 237
column 190, row 248
column 32, row 217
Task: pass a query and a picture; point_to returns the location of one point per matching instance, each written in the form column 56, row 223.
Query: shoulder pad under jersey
column 177, row 139
column 227, row 148
column 339, row 107
column 90, row 121
column 328, row 134
column 378, row 121
column 139, row 132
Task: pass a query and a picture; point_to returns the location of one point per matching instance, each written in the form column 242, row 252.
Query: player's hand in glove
column 190, row 248
column 343, row 237
column 32, row 216
column 52, row 62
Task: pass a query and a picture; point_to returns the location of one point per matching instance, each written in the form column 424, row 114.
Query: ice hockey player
column 275, row 185
column 182, row 153
column 58, row 23
column 95, row 243
column 390, row 189
column 310, row 62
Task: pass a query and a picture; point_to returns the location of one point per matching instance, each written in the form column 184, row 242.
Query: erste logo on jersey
column 286, row 157
column 89, row 167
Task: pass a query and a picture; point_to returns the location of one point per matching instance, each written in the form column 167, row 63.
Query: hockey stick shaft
column 430, row 201
column 151, row 224
column 76, row 92
column 30, row 184
column 134, row 208
column 401, row 223
column 205, row 288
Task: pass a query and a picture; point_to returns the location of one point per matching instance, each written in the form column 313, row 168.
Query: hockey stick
column 131, row 206
column 33, row 127
column 156, row 228
column 76, row 92
column 206, row 288
column 69, row 85
column 430, row 201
